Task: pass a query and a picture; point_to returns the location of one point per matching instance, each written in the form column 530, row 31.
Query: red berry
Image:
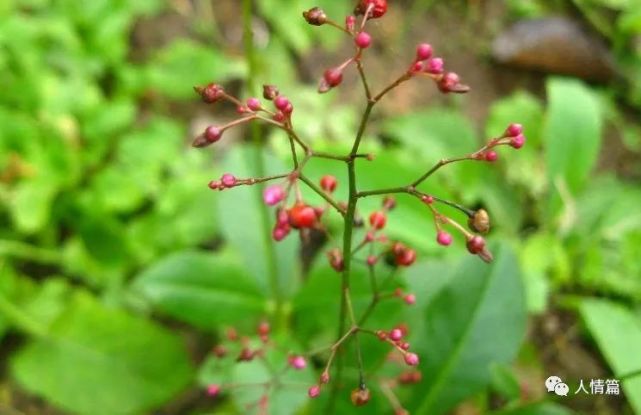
column 444, row 238
column 363, row 40
column 379, row 7
column 302, row 216
column 372, row 260
column 475, row 244
column 377, row 220
column 423, row 51
column 328, row 183
column 491, row 156
column 406, row 258
column 213, row 134
column 263, row 328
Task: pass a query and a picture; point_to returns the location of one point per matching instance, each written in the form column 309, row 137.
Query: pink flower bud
column 434, row 66
column 490, row 156
column 372, row 260
column 443, row 238
column 513, row 130
column 409, row 299
column 518, row 141
column 411, row 359
column 333, row 77
column 423, row 51
column 298, row 362
column 213, row 390
column 363, row 40
column 253, row 104
column 350, row 22
column 280, row 232
column 228, row 180
column 273, row 195
column 314, row 391
column 281, row 102
column 396, row 334
column 213, row 134
column 215, row 184
column 324, row 377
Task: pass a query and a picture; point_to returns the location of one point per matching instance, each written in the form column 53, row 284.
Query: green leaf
column 476, row 321
column 103, row 361
column 205, row 290
column 617, row 332
column 185, row 63
column 316, row 306
column 241, row 218
column 572, row 133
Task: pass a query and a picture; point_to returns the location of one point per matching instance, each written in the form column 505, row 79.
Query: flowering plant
column 363, row 241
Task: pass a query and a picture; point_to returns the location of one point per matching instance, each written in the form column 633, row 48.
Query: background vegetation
column 119, row 269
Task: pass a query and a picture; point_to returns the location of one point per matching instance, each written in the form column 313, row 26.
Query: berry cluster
column 373, row 248
column 242, row 348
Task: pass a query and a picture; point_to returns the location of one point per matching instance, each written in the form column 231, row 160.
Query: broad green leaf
column 617, row 332
column 203, row 289
column 476, row 321
column 572, row 133
column 316, row 306
column 184, row 63
column 99, row 361
column 242, row 216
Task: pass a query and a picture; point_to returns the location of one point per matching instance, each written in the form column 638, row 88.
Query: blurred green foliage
column 107, row 230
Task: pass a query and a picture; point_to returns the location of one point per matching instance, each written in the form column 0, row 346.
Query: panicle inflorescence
column 368, row 238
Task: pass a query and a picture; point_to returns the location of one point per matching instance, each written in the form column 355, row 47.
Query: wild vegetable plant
column 364, row 242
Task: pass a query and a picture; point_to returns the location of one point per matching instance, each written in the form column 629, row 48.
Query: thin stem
column 361, row 73
column 391, row 86
column 322, row 194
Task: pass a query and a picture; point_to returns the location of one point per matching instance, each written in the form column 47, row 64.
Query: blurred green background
column 119, row 268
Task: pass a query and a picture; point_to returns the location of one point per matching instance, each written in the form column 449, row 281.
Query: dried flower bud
column 315, row 16
column 210, row 93
column 378, row 8
column 270, row 92
column 479, row 221
column 389, row 203
column 360, row 396
column 450, row 82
